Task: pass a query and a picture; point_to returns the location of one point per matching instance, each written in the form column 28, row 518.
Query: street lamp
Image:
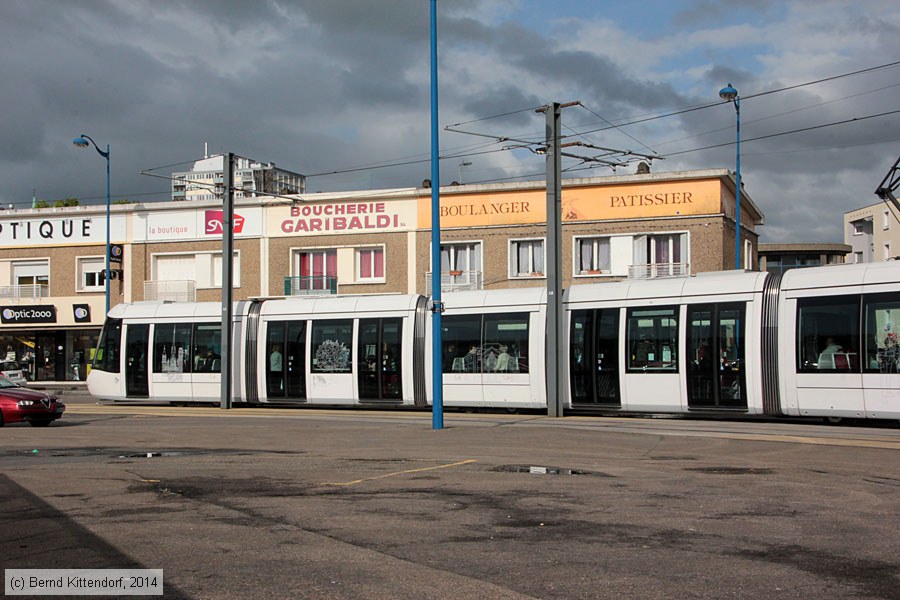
column 729, row 94
column 82, row 142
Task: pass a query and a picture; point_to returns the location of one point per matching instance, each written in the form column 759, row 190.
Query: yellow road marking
column 406, row 472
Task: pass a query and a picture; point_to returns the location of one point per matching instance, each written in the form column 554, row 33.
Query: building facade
column 873, row 232
column 778, row 258
column 492, row 236
column 251, row 178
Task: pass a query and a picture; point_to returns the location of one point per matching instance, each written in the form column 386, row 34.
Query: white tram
column 816, row 342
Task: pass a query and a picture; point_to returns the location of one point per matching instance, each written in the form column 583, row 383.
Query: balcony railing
column 24, row 291
column 457, row 281
column 172, row 291
column 310, row 285
column 659, row 270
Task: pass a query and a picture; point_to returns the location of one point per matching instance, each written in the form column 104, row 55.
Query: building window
column 662, row 255
column 887, row 251
column 592, row 256
column 886, row 220
column 317, row 268
column 370, row 264
column 526, row 258
column 90, row 277
column 32, row 273
column 204, row 268
column 460, row 258
column 857, row 257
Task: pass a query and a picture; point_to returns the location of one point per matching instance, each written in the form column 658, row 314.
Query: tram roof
column 841, row 275
column 704, row 284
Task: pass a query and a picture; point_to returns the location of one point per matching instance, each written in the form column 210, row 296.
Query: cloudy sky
column 334, row 88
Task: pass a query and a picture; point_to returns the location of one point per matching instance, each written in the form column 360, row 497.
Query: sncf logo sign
column 214, row 223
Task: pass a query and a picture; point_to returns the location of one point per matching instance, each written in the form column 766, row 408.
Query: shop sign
column 16, row 315
column 116, row 252
column 345, row 217
column 82, row 313
column 214, row 223
column 58, row 230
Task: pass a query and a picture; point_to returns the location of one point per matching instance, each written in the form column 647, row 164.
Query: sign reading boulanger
column 16, row 315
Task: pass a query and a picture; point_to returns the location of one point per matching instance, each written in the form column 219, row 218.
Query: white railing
column 173, row 291
column 659, row 270
column 24, row 291
column 457, row 281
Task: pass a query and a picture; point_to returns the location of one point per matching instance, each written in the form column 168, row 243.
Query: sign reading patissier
column 341, row 217
column 652, row 200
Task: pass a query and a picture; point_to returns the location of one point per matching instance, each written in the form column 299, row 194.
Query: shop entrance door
column 50, row 355
column 136, row 339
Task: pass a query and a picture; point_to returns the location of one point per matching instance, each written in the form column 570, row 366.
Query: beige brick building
column 52, row 293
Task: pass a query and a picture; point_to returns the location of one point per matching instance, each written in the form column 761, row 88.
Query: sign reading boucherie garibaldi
column 664, row 199
column 14, row 315
column 343, row 217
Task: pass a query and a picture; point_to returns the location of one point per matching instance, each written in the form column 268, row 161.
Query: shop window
column 592, row 256
column 370, row 264
column 526, row 258
column 90, row 277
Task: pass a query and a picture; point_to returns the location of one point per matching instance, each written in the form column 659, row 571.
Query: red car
column 19, row 404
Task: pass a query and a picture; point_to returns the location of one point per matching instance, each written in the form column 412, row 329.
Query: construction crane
column 889, row 185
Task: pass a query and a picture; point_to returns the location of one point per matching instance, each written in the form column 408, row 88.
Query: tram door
column 594, row 358
column 717, row 372
column 379, row 364
column 286, row 360
column 137, row 337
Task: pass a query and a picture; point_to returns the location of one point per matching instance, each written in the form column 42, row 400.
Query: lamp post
column 82, row 142
column 730, row 94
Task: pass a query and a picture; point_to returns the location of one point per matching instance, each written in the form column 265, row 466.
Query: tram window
column 828, row 334
column 461, row 338
column 207, row 341
column 109, row 347
column 882, row 351
column 332, row 346
column 653, row 339
column 172, row 348
column 505, row 347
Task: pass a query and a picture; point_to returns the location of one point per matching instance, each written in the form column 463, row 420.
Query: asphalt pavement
column 298, row 503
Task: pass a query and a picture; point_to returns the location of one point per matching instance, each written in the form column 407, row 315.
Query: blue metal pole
column 107, row 232
column 437, row 378
column 737, row 191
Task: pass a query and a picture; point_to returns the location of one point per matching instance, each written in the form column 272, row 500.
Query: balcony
column 24, row 291
column 171, row 291
column 457, row 281
column 659, row 270
column 310, row 285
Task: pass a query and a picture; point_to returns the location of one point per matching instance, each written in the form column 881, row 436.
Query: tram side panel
column 492, row 349
column 824, row 357
column 338, row 351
